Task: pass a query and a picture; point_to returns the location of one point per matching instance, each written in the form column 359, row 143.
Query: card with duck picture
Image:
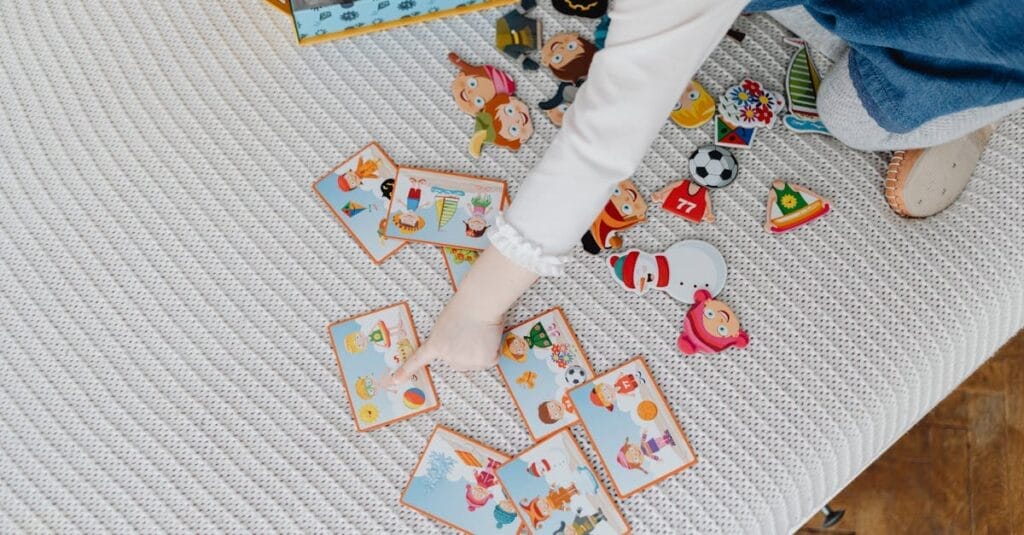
column 454, row 483
column 540, row 361
column 370, row 347
column 634, row 432
column 556, row 490
column 444, row 208
column 358, row 192
column 458, row 262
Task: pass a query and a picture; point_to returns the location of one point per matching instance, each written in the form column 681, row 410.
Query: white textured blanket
column 166, row 274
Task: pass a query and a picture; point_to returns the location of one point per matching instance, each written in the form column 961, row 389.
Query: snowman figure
column 680, row 271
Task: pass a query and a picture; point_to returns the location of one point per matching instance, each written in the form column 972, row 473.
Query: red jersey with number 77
column 686, row 205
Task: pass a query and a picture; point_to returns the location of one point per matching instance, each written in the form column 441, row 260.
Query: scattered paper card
column 541, row 359
column 444, row 208
column 625, row 208
column 694, row 108
column 791, row 206
column 631, row 427
column 368, row 348
column 454, row 483
column 679, row 271
column 556, row 490
column 357, row 192
column 458, row 262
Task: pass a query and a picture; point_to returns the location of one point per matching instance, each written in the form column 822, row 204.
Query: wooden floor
column 960, row 470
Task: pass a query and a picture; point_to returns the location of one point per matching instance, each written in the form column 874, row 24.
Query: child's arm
column 653, row 49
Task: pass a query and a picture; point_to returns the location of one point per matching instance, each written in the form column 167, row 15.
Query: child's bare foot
column 924, row 182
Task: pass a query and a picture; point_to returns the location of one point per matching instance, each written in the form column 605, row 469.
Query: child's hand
column 467, row 333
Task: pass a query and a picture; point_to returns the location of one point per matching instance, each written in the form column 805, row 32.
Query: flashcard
column 736, row 137
column 625, row 208
column 713, row 167
column 556, row 490
column 791, row 206
column 368, row 348
column 458, row 262
column 444, row 208
column 684, row 268
column 541, row 359
column 358, row 192
column 568, row 56
column 694, row 108
column 710, row 326
column 687, row 200
column 517, row 35
column 454, row 483
column 631, row 427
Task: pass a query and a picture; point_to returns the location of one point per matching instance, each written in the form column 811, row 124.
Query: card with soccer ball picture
column 539, row 361
column 454, row 483
column 632, row 428
column 370, row 347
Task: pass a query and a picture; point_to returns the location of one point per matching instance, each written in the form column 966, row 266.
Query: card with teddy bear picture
column 539, row 361
column 632, row 428
column 444, row 208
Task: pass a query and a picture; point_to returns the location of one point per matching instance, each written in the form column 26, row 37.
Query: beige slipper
column 924, row 182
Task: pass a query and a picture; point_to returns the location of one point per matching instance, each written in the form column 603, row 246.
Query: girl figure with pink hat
column 477, row 495
column 710, row 327
column 476, row 85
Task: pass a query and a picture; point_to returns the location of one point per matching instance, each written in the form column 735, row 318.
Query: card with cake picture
column 444, row 208
column 635, row 434
column 556, row 490
column 457, row 262
column 370, row 347
column 540, row 360
column 358, row 192
column 454, row 483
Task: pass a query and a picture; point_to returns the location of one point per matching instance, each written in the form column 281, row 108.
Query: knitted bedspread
column 167, row 273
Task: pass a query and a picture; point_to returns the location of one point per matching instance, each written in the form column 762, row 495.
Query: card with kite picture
column 631, row 427
column 358, row 192
column 458, row 262
column 556, row 490
column 444, row 208
column 370, row 347
column 540, row 360
column 454, row 483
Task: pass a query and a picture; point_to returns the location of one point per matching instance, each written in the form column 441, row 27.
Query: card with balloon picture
column 370, row 347
column 632, row 428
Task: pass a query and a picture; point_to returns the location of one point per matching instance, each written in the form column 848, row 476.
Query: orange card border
column 508, row 387
column 430, row 439
column 344, row 383
column 525, row 523
column 391, row 202
column 664, row 400
column 337, row 216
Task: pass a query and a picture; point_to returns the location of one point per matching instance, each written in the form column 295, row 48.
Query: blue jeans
column 914, row 61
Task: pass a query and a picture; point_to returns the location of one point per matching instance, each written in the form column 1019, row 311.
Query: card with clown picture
column 358, row 193
column 631, row 427
column 556, row 490
column 540, row 360
column 454, row 482
column 370, row 347
column 444, row 208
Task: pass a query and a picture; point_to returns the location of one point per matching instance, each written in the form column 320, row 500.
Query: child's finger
column 423, row 356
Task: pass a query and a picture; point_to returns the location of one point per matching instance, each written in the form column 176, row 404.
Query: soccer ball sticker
column 713, row 167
